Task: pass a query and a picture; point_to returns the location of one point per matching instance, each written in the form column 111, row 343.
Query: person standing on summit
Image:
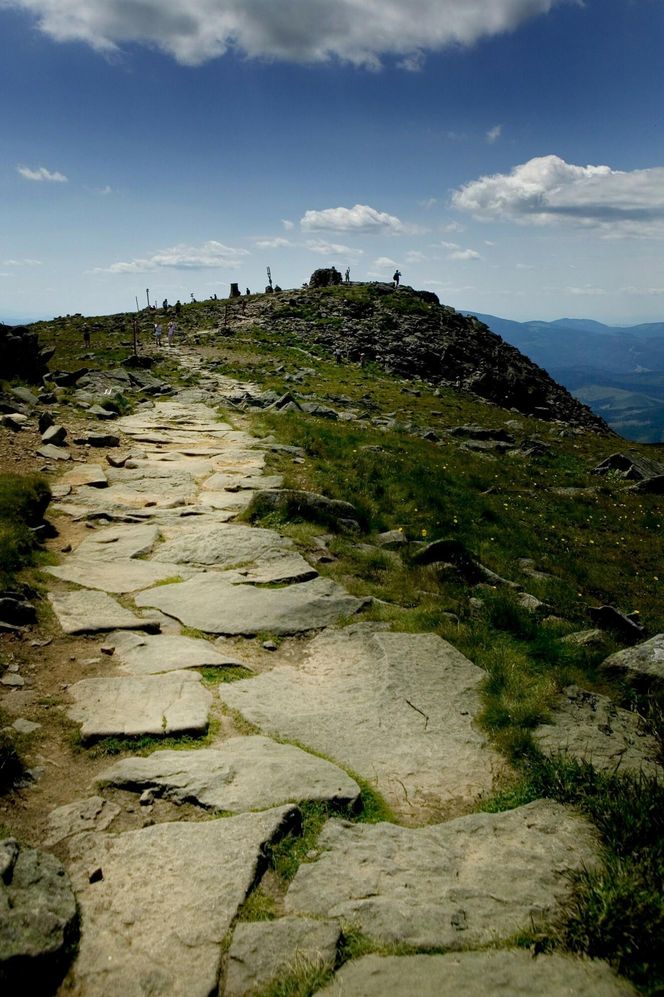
column 397, row 277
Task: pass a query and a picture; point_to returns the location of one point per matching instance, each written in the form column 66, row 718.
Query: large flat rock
column 118, row 543
column 94, row 612
column 92, row 814
column 472, row 881
column 509, row 973
column 140, row 654
column 154, row 921
column 396, row 708
column 244, row 773
column 591, row 728
column 210, row 603
column 263, row 950
column 175, row 703
column 91, row 475
column 115, row 575
column 642, row 665
column 226, row 546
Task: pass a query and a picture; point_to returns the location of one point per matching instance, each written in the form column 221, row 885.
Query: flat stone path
column 159, row 905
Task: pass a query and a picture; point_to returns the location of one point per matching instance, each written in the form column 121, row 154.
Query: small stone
column 146, row 798
column 96, row 875
column 12, row 681
column 25, row 726
column 107, row 649
column 269, row 645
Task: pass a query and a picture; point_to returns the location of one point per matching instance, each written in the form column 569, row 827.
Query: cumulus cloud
column 548, row 190
column 209, row 255
column 41, row 174
column 332, row 248
column 458, row 254
column 494, row 134
column 278, row 242
column 357, row 31
column 361, row 218
column 384, row 263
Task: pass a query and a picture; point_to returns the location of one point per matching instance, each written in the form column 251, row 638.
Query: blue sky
column 507, row 154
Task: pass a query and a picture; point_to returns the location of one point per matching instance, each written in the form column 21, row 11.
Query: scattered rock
column 54, row 436
column 642, row 666
column 53, row 453
column 630, row 465
column 391, row 540
column 93, row 814
column 590, row 728
column 24, row 726
column 609, row 618
column 332, row 513
column 586, row 638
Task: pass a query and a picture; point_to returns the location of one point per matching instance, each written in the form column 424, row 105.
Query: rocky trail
column 162, row 593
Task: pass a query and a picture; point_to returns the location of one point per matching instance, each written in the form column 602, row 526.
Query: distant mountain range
column 618, row 371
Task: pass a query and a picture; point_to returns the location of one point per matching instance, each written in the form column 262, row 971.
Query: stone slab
column 139, row 654
column 473, row 881
column 94, row 612
column 91, row 475
column 591, row 728
column 210, row 603
column 93, row 814
column 119, row 543
column 244, row 773
column 263, row 950
column 289, row 568
column 116, row 576
column 154, row 921
column 53, row 453
column 226, row 546
column 509, row 973
column 175, row 703
column 396, row 708
column 642, row 665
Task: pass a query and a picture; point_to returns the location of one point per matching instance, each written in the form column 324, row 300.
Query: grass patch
column 259, row 906
column 23, row 502
column 145, row 745
column 225, row 673
column 614, row 912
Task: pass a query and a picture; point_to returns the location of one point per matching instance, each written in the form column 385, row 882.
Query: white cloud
column 414, row 256
column 40, row 174
column 287, row 224
column 586, row 291
column 357, row 31
column 360, row 218
column 21, row 263
column 332, row 249
column 428, row 203
column 464, row 255
column 209, row 255
column 384, row 263
column 548, row 190
column 494, row 134
column 278, row 242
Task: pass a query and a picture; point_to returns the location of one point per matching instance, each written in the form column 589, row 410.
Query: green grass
column 146, row 744
column 616, row 911
column 23, row 502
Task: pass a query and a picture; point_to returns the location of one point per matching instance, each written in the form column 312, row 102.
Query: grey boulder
column 642, row 665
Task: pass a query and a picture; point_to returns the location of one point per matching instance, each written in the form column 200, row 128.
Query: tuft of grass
column 301, row 979
column 23, row 502
column 11, row 763
column 145, row 745
column 259, row 906
column 225, row 673
column 616, row 911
